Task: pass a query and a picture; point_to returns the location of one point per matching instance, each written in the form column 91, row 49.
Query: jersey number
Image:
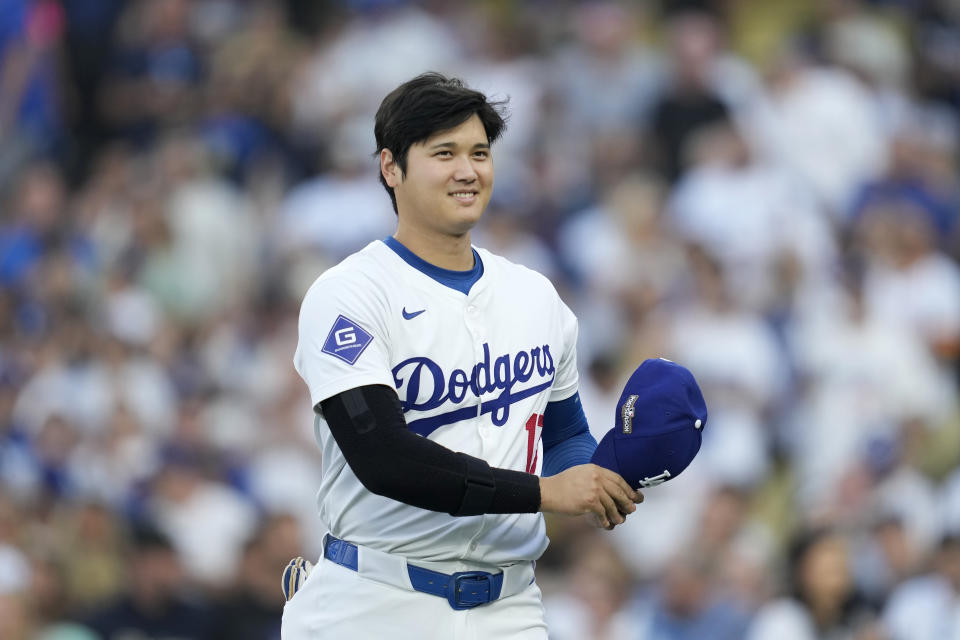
column 534, row 427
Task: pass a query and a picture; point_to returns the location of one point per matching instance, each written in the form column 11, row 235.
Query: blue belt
column 463, row 590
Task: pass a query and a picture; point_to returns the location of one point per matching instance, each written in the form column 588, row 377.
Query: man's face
column 448, row 180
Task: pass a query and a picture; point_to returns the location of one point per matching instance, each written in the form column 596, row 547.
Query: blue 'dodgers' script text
column 420, row 376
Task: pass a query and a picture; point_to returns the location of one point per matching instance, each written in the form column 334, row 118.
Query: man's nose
column 464, row 171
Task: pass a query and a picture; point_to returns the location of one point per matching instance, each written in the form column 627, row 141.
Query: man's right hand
column 588, row 488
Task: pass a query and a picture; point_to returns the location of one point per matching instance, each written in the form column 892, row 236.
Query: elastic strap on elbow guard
column 359, row 410
column 480, row 487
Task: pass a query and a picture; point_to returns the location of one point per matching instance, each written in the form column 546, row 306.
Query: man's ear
column 390, row 169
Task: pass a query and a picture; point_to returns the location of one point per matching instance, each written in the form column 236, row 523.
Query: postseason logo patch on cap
column 346, row 340
column 628, row 413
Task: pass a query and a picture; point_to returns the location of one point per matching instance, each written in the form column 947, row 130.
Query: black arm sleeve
column 391, row 461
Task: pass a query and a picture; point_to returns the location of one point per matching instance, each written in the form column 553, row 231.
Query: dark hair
column 429, row 104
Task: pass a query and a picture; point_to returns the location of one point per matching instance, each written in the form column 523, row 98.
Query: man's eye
column 443, row 154
column 481, row 155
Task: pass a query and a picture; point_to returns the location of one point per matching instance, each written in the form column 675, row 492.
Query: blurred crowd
column 766, row 191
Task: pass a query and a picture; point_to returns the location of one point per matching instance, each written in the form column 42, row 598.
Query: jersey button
column 471, row 309
column 473, row 546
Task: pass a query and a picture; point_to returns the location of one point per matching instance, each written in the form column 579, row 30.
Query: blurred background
column 765, row 191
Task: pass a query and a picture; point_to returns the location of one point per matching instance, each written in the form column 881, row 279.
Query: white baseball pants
column 337, row 603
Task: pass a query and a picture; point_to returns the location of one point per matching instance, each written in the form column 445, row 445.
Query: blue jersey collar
column 460, row 281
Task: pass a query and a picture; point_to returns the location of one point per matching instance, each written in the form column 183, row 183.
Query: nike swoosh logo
column 411, row 316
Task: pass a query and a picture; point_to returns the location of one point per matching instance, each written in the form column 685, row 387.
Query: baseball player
column 439, row 372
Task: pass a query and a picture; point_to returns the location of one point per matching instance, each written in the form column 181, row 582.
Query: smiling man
column 438, row 372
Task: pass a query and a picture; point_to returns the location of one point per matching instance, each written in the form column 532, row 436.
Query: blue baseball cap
column 658, row 427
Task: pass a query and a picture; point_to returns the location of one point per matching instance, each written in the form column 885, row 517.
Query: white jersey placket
column 475, row 322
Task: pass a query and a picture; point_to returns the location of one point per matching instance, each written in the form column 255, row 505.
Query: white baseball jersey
column 474, row 372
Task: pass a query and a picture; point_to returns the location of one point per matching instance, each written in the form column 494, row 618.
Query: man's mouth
column 465, row 196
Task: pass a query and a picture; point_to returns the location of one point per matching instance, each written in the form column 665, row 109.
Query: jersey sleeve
column 343, row 338
column 565, row 384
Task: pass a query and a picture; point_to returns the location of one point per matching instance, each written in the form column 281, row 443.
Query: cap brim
column 641, row 458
